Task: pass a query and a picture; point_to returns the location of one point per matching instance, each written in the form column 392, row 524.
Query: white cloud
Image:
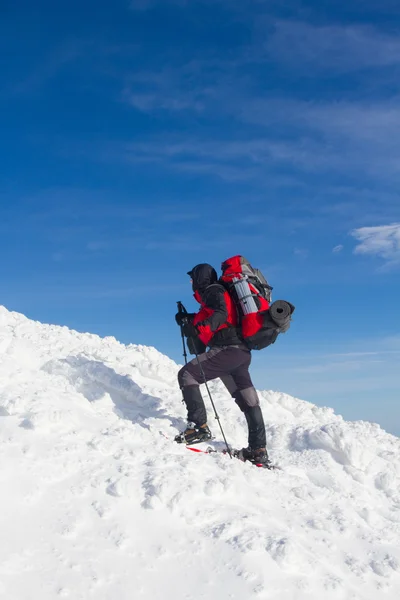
column 338, row 248
column 382, row 241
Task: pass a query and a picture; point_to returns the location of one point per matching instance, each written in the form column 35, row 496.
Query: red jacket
column 216, row 321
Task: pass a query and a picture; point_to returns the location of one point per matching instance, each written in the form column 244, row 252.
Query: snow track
column 95, row 503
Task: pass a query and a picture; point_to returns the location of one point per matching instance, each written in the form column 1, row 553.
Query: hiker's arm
column 214, row 299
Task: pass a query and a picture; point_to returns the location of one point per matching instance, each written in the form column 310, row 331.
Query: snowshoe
column 259, row 457
column 194, row 434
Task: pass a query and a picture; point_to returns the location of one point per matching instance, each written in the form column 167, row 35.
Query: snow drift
column 97, row 502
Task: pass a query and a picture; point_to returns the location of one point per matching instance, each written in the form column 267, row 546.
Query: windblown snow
column 97, row 501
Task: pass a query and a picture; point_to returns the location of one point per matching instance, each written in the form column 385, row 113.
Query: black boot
column 196, row 430
column 258, row 457
column 194, row 434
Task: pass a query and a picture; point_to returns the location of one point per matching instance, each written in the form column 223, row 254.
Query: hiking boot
column 194, row 434
column 258, row 457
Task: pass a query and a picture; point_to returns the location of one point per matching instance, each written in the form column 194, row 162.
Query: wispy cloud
column 341, row 48
column 150, row 101
column 337, row 136
column 97, row 246
column 355, row 137
column 337, row 249
column 194, row 85
column 341, row 379
column 61, row 56
column 301, row 253
column 392, row 342
column 171, row 89
column 231, row 161
column 325, row 139
column 209, row 155
column 76, row 291
column 382, row 241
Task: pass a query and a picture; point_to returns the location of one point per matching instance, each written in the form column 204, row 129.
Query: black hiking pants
column 231, row 365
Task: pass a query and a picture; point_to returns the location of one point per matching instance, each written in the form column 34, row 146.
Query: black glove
column 181, row 318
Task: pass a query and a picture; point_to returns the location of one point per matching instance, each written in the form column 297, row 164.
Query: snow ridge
column 97, row 502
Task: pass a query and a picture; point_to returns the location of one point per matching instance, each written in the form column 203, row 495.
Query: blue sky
column 140, row 138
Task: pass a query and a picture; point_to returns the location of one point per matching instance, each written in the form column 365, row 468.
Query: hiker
column 216, row 326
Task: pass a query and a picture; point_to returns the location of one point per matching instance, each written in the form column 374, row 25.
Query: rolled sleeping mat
column 281, row 312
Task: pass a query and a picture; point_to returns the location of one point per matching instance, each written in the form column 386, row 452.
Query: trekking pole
column 182, row 310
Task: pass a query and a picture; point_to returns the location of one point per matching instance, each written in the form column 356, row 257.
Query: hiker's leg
column 240, row 386
column 215, row 363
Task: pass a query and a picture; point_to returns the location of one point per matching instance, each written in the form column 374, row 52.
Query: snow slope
column 97, row 503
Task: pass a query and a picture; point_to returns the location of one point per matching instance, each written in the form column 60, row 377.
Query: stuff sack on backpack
column 261, row 322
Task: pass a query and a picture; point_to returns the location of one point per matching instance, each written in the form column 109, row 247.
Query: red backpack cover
column 251, row 294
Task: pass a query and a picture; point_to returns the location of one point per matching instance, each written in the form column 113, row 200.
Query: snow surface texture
column 97, row 503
